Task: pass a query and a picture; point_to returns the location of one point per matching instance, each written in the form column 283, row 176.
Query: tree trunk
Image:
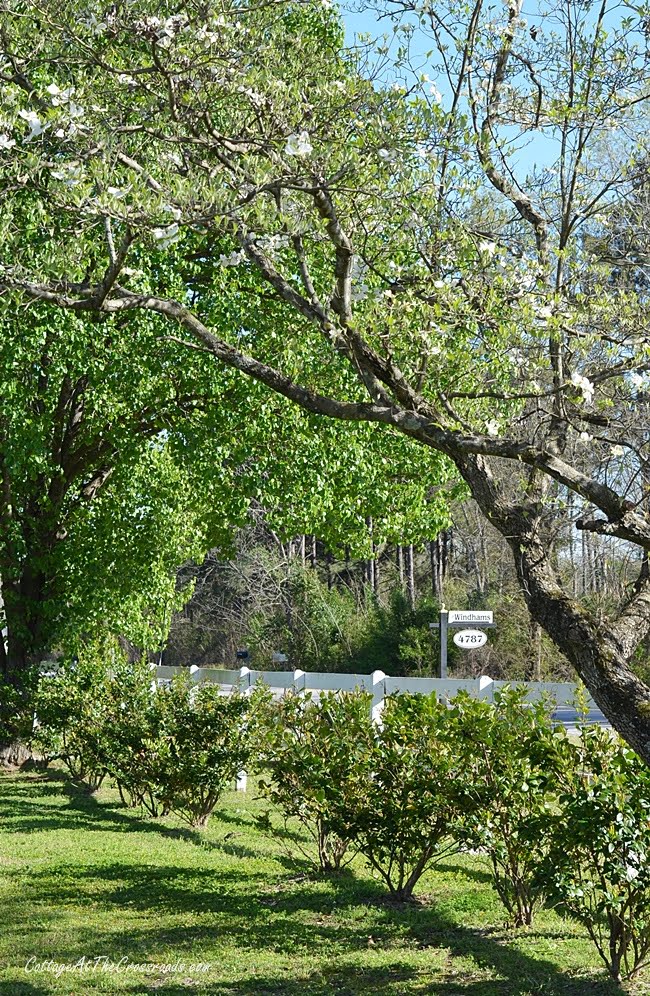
column 410, row 575
column 600, row 655
column 534, row 663
column 23, row 610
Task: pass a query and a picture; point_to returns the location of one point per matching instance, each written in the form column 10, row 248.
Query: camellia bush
column 72, row 705
column 317, row 755
column 133, row 748
column 598, row 866
column 515, row 760
column 167, row 749
column 414, row 794
column 206, row 739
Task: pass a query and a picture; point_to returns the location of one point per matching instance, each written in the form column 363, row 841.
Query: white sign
column 470, row 639
column 456, row 616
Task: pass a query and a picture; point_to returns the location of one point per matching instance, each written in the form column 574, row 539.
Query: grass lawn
column 87, row 877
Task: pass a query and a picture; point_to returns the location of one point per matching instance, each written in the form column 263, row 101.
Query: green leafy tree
column 120, row 458
column 371, row 251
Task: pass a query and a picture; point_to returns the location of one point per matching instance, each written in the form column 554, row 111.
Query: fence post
column 378, row 696
column 245, row 687
column 486, row 688
column 298, row 680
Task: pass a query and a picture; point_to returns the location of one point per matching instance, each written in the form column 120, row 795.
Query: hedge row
column 559, row 820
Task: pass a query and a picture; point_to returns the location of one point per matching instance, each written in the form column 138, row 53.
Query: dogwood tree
column 420, row 275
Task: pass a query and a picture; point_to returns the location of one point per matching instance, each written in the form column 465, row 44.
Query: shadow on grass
column 476, row 874
column 274, row 922
column 86, row 812
column 27, row 989
column 331, row 920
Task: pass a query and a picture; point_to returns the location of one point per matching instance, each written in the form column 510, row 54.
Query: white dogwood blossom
column 299, row 145
column 32, row 119
column 233, row 259
column 584, row 385
column 166, row 236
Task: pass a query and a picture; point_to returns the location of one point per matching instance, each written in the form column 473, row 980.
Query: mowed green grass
column 88, row 878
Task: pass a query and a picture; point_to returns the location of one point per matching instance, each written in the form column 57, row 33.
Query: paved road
column 569, row 717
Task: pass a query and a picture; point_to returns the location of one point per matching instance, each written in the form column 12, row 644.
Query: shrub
column 132, row 748
column 167, row 749
column 599, row 865
column 317, row 755
column 71, row 708
column 206, row 738
column 415, row 791
column 515, row 758
column 16, row 718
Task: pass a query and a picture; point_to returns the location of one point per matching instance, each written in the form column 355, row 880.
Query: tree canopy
column 368, row 245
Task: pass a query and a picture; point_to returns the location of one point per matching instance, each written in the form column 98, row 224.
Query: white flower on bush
column 170, row 209
column 6, row 142
column 298, row 144
column 584, row 437
column 617, row 451
column 32, row 119
column 492, row 428
column 59, row 96
column 272, row 243
column 75, row 110
column 584, row 385
column 166, row 236
column 631, row 873
column 206, row 36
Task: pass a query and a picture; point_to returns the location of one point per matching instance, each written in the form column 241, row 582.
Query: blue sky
column 535, row 151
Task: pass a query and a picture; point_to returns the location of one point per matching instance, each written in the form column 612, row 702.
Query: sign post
column 469, row 638
column 444, row 622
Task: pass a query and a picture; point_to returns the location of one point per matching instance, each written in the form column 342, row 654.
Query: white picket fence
column 378, row 684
